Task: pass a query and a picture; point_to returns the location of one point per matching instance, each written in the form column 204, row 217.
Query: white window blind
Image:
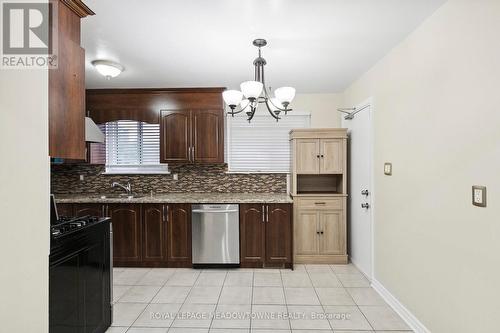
column 262, row 145
column 132, row 146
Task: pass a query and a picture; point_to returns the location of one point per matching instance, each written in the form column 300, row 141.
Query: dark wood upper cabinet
column 208, row 136
column 154, row 247
column 252, row 234
column 175, row 136
column 67, row 84
column 65, row 209
column 192, row 136
column 127, row 232
column 179, row 233
column 278, row 234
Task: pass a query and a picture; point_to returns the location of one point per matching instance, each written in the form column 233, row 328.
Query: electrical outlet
column 82, row 178
column 479, row 196
column 175, row 176
column 388, row 169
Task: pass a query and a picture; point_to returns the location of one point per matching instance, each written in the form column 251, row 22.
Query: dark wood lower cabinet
column 252, row 235
column 179, row 253
column 159, row 235
column 266, row 235
column 154, row 240
column 127, row 232
column 89, row 209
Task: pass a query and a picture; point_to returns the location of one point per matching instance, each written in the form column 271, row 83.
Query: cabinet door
column 252, row 233
column 127, row 238
column 278, row 233
column 89, row 209
column 179, row 233
column 65, row 210
column 331, row 239
column 306, row 228
column 67, row 100
column 154, row 245
column 208, row 136
column 175, row 136
column 307, row 156
column 331, row 156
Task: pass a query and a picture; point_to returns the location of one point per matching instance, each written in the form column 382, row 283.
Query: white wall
column 437, row 119
column 323, row 108
column 24, row 201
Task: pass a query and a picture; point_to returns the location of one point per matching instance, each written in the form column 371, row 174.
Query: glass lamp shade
column 285, row 94
column 251, row 89
column 232, row 97
column 274, row 104
column 108, row 69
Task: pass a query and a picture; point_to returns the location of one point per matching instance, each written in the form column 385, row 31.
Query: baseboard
column 400, row 309
column 368, row 276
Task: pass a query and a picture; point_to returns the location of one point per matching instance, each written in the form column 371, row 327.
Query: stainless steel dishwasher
column 216, row 234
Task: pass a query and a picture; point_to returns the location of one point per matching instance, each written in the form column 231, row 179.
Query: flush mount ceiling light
column 255, row 92
column 107, row 68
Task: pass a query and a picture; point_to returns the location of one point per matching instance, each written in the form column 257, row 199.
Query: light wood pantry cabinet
column 319, row 189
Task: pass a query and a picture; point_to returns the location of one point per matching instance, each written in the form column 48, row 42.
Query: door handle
column 365, row 192
column 365, row 205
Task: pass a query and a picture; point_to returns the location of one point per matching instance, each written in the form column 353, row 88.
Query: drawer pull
column 320, row 203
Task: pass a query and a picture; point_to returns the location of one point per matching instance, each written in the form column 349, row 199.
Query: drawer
column 319, row 203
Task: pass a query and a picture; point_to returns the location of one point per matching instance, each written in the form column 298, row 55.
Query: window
column 132, row 147
column 262, row 145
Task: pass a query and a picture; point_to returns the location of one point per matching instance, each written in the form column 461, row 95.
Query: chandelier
column 255, row 92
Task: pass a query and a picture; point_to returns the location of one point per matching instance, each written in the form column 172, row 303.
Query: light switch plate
column 479, row 196
column 388, row 169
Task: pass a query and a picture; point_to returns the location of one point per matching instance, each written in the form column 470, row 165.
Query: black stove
column 68, row 225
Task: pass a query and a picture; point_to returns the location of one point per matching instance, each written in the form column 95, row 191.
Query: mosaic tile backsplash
column 65, row 179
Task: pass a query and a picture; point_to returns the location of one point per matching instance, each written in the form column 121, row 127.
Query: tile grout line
column 217, row 303
column 356, row 304
column 319, row 300
column 286, row 303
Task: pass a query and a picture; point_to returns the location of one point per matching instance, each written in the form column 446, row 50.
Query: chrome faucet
column 127, row 188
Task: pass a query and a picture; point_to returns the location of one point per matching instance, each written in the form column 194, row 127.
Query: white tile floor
column 312, row 298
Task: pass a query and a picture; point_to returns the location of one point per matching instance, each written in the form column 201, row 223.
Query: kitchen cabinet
column 192, row 136
column 67, row 84
column 179, row 251
column 89, row 209
column 154, row 240
column 265, row 235
column 319, row 188
column 127, row 232
column 319, row 156
column 320, row 230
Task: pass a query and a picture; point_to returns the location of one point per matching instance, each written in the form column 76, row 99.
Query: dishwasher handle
column 214, row 211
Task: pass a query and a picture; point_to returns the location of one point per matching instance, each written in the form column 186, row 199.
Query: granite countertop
column 178, row 198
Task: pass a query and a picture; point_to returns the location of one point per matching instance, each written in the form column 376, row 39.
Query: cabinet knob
column 317, row 156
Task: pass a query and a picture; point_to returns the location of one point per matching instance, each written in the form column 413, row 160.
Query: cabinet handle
column 267, row 214
column 192, row 152
column 322, row 155
column 263, row 217
column 103, row 213
column 320, row 203
column 317, row 156
column 321, row 232
column 163, row 212
column 317, row 232
column 166, row 215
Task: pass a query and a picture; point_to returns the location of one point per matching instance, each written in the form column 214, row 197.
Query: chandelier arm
column 268, row 99
column 253, row 113
column 235, row 112
column 272, row 113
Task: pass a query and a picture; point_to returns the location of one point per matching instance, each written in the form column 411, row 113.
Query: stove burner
column 66, row 224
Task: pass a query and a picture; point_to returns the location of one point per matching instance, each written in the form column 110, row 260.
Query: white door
column 359, row 219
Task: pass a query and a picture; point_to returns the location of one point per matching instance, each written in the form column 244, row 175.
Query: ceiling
column 315, row 46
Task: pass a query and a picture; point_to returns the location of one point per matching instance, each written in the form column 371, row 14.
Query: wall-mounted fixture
column 479, row 196
column 388, row 169
column 108, row 69
column 256, row 92
column 351, row 112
